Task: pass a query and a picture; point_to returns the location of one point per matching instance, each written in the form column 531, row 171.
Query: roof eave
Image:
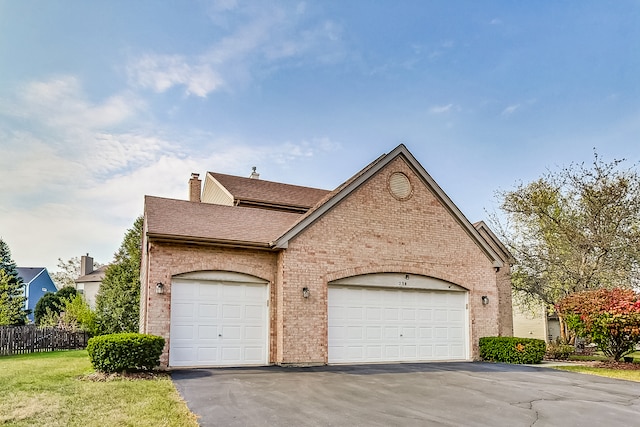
column 171, row 238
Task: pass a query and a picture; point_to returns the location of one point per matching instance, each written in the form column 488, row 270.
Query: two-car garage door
column 221, row 319
column 369, row 324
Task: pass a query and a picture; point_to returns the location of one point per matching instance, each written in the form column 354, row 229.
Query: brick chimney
column 86, row 265
column 195, row 188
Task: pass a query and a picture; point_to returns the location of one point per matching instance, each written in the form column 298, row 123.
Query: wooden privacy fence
column 31, row 339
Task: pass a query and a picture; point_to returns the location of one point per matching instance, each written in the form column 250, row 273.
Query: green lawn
column 48, row 389
column 633, row 375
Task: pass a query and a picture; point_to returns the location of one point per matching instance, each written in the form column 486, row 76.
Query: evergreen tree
column 118, row 300
column 12, row 299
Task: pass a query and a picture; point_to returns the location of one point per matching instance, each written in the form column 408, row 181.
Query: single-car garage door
column 218, row 322
column 396, row 325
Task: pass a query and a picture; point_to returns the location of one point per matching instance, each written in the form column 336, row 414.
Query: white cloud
column 256, row 38
column 443, row 109
column 162, row 72
column 510, row 110
column 72, row 178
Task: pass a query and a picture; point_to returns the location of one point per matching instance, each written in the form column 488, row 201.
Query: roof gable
column 363, row 176
column 27, row 274
column 495, row 242
column 96, row 275
column 235, row 190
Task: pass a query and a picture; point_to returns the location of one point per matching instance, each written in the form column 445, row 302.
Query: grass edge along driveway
column 49, row 389
column 620, row 374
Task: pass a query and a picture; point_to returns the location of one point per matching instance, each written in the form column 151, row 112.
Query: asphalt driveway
column 451, row 394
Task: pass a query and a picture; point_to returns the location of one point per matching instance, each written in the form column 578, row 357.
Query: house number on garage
column 404, row 282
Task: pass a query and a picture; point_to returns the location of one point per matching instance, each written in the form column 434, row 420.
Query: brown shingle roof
column 203, row 222
column 269, row 192
column 96, row 275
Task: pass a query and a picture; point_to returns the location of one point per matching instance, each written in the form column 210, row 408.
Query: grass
column 630, row 375
column 48, row 389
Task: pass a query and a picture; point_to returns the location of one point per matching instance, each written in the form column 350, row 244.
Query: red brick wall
column 503, row 280
column 369, row 232
column 166, row 260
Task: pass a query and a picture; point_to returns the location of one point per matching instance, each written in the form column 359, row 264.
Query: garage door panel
column 374, row 313
column 207, row 311
column 425, row 315
column 409, row 352
column 338, row 332
column 391, row 332
column 440, row 315
column 209, row 292
column 183, row 310
column 391, row 352
column 374, row 333
column 218, row 324
column 425, row 352
column 354, row 332
column 253, row 354
column 398, row 325
column 207, row 332
column 253, row 333
column 231, row 311
column 207, row 354
column 374, row 352
column 355, row 313
column 408, row 314
column 231, row 354
column 231, row 333
column 391, row 314
column 253, row 312
column 409, row 333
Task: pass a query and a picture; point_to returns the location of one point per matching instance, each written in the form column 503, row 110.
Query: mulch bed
column 626, row 366
column 619, row 365
column 131, row 376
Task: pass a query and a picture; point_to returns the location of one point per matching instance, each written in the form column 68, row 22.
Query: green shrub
column 560, row 351
column 512, row 349
column 125, row 352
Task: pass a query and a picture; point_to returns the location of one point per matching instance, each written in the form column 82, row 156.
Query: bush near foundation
column 512, row 350
column 125, row 352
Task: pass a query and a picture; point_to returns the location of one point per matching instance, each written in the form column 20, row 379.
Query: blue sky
column 103, row 102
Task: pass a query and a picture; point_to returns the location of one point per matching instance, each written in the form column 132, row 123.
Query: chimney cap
column 254, row 174
column 194, row 175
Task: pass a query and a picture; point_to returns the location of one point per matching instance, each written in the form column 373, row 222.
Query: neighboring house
column 385, row 268
column 535, row 322
column 88, row 284
column 37, row 282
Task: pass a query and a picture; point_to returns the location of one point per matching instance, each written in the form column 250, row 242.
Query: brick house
column 385, row 268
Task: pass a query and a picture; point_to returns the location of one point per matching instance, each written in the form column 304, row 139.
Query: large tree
column 12, row 298
column 118, row 300
column 572, row 230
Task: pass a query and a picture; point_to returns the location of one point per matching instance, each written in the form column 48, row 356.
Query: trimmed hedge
column 512, row 349
column 125, row 352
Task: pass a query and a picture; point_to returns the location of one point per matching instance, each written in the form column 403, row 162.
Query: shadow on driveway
column 413, row 394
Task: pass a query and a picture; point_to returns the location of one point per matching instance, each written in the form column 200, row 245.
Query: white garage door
column 396, row 325
column 215, row 323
